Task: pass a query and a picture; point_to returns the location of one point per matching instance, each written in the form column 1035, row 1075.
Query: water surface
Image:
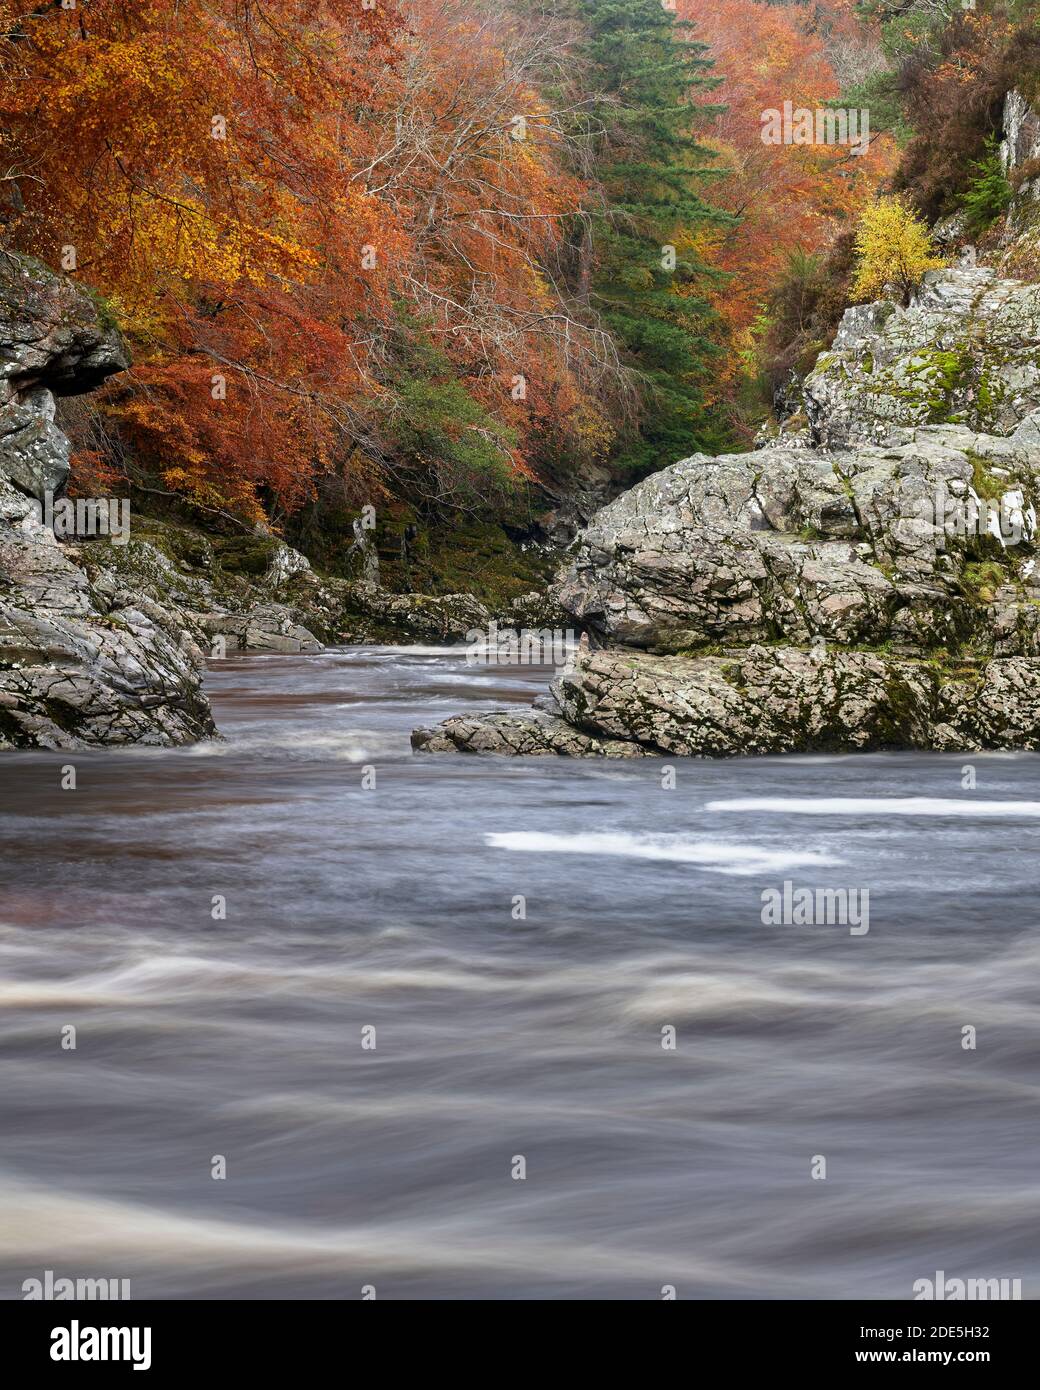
column 393, row 907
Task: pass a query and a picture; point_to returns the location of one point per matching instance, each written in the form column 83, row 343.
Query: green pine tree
column 644, row 72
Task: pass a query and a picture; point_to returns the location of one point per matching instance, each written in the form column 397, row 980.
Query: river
column 224, row 925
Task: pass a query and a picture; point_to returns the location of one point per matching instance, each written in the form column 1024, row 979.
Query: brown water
column 393, row 907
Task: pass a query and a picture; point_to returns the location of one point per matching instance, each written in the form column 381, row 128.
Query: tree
column 791, row 199
column 894, row 248
column 470, row 159
column 193, row 161
column 637, row 260
column 989, row 194
column 277, row 199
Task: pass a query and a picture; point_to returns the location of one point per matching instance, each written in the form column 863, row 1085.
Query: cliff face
column 869, row 584
column 1020, row 153
column 81, row 662
column 51, row 344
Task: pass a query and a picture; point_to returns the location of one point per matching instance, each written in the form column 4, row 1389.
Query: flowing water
column 351, row 907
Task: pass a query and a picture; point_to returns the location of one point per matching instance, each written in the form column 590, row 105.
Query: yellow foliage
column 894, row 248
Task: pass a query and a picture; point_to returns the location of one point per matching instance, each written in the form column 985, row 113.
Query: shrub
column 989, row 193
column 894, row 248
column 952, row 90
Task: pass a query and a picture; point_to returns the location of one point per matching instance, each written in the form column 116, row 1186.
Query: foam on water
column 708, row 854
column 879, row 806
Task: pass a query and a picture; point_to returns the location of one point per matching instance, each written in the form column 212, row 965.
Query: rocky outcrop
column 534, row 733
column 375, row 614
column 966, row 351
column 873, row 545
column 265, row 628
column 253, row 593
column 225, row 610
column 1017, row 251
column 967, row 348
column 1020, row 143
column 576, row 503
column 878, row 590
column 784, row 699
column 1019, row 153
column 51, row 344
column 84, row 665
column 758, row 700
column 80, row 663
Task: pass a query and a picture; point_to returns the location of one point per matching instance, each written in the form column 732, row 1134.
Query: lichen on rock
column 965, row 351
column 876, row 590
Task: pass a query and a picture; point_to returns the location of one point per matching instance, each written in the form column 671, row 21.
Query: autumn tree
column 792, row 200
column 193, row 161
column 470, row 160
column 328, row 229
column 894, row 250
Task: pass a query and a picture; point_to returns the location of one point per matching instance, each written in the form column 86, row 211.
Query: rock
column 963, row 352
column 875, row 590
column 532, row 733
column 1017, row 252
column 263, row 616
column 761, row 700
column 371, row 613
column 1027, row 432
column 82, row 667
column 51, row 344
column 1021, row 133
column 279, row 604
column 791, row 433
column 782, row 699
column 34, row 454
column 758, row 700
column 81, row 664
column 950, row 233
column 858, row 546
column 588, row 490
column 364, row 552
column 285, row 564
column 537, row 611
column 267, row 628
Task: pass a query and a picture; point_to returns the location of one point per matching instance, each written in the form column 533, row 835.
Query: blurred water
column 497, row 1037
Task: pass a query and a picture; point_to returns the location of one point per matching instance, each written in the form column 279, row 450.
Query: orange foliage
column 789, row 197
column 470, row 167
column 194, row 157
column 270, row 193
column 257, row 187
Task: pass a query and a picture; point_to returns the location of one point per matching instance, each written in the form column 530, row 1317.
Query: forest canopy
column 453, row 250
